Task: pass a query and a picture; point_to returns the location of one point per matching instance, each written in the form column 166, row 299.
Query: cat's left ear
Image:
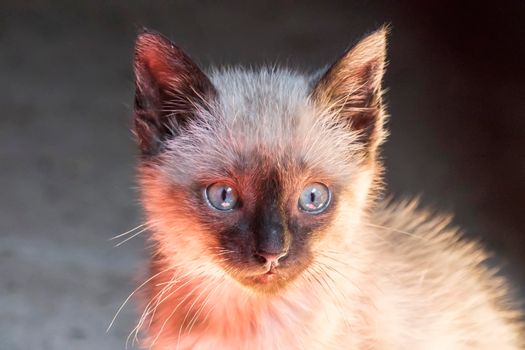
column 169, row 91
column 351, row 89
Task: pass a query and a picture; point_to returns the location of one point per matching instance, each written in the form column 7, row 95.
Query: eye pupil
column 221, row 197
column 315, row 198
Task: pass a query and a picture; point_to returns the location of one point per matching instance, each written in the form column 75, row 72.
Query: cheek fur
column 176, row 219
column 347, row 211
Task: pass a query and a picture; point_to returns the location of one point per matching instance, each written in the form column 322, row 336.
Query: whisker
column 204, row 290
column 206, row 301
column 334, row 292
column 150, row 312
column 128, row 231
column 132, row 293
column 156, row 298
column 173, row 313
column 395, row 230
column 131, row 237
column 174, row 282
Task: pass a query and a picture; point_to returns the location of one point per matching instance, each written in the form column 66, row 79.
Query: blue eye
column 221, row 196
column 315, row 198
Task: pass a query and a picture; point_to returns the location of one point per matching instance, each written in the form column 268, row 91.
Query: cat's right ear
column 169, row 88
column 351, row 89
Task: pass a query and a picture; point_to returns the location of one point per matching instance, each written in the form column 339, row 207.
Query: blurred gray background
column 456, row 97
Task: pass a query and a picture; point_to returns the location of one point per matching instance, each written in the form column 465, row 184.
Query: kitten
column 261, row 193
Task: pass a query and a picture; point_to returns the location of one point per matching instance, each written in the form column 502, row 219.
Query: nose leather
column 271, row 244
column 270, row 258
column 271, row 239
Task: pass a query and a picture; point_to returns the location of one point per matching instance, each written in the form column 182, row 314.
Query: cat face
column 249, row 173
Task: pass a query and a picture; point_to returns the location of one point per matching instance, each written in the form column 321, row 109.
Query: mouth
column 269, row 276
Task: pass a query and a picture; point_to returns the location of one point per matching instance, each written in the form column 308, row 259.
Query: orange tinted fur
column 376, row 275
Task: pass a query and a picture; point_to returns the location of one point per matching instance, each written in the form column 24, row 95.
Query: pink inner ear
column 158, row 56
column 157, row 65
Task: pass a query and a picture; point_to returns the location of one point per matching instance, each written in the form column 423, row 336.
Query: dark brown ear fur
column 168, row 88
column 352, row 88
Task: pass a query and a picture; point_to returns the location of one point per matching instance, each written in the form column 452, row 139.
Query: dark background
column 456, row 96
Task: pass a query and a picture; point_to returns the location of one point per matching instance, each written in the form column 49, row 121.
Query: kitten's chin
column 269, row 283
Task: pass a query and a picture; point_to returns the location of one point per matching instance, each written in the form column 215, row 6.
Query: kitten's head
column 256, row 174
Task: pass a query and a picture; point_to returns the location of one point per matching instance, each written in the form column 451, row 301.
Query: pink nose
column 272, row 258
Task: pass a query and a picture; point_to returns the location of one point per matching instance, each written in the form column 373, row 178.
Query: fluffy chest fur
column 233, row 319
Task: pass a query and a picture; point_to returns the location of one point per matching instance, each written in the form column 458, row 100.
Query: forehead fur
column 267, row 115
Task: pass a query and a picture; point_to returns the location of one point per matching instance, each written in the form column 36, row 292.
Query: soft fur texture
column 361, row 275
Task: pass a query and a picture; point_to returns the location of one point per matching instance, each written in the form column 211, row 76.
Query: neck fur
column 218, row 311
